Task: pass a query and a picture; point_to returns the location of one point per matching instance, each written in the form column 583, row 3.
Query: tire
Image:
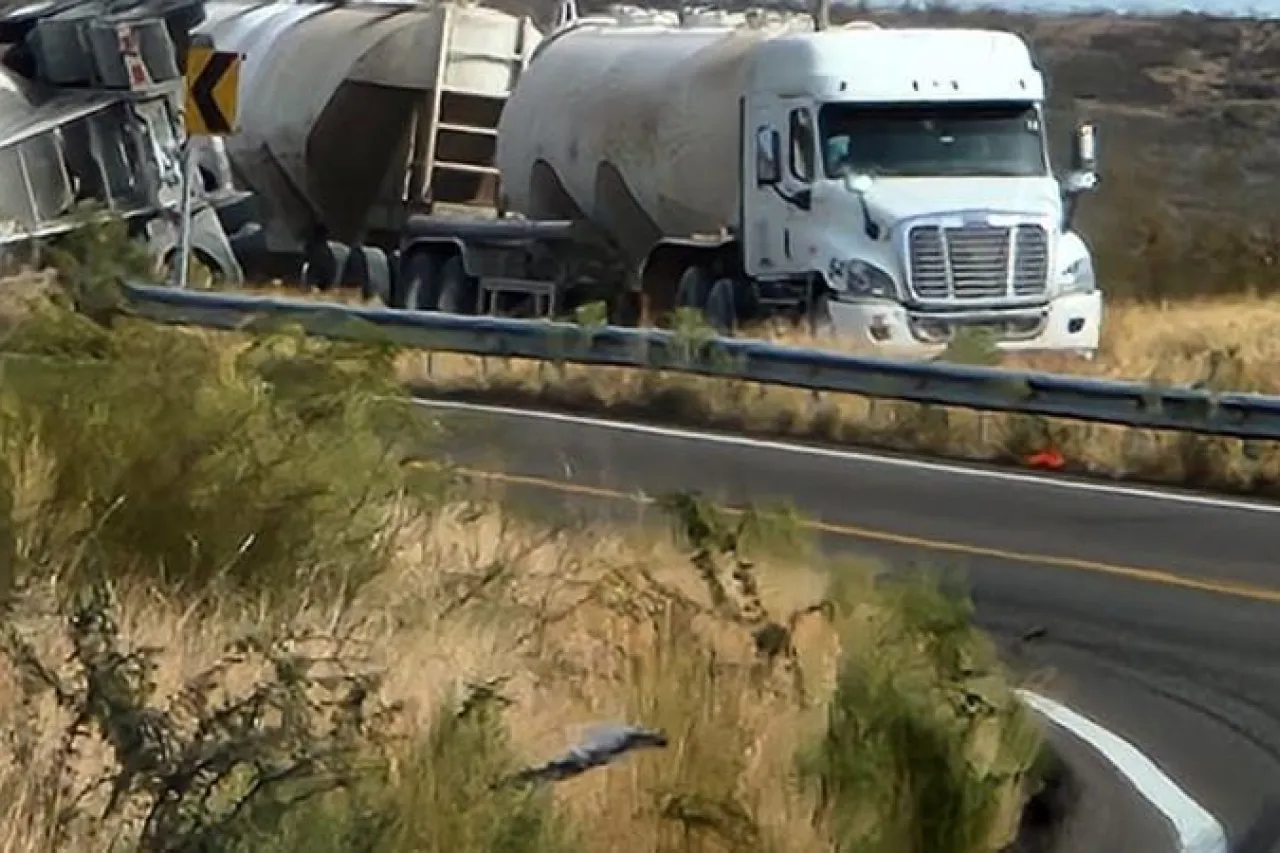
column 693, row 288
column 722, row 307
column 325, row 265
column 367, row 268
column 459, row 292
column 627, row 310
column 419, row 283
column 747, row 301
column 393, row 275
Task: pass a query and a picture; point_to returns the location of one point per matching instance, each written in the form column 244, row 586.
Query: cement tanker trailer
column 894, row 184
column 354, row 116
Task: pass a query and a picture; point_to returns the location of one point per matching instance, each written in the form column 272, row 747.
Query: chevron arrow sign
column 213, row 89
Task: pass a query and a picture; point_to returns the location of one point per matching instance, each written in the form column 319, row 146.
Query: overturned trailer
column 90, row 111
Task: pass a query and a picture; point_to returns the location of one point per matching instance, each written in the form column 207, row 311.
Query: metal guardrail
column 1245, row 416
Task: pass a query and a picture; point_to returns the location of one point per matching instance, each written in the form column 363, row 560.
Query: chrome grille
column 1030, row 261
column 978, row 261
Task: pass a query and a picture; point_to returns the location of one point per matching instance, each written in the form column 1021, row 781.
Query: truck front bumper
column 1070, row 323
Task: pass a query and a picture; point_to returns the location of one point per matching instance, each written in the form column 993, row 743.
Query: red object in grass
column 1050, row 459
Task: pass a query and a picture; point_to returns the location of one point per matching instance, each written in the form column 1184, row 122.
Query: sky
column 1250, row 8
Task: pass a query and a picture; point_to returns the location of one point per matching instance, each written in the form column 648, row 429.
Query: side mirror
column 1084, row 151
column 768, row 157
column 1083, row 177
column 1079, row 181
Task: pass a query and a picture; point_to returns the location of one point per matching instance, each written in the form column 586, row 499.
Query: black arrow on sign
column 202, row 92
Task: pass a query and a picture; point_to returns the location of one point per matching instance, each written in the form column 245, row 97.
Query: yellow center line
column 1147, row 575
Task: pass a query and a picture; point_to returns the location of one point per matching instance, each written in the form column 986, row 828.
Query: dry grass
column 408, row 642
column 565, row 671
column 1229, row 343
column 577, row 626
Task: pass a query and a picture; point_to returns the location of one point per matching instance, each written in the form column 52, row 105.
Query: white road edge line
column 870, row 457
column 1197, row 830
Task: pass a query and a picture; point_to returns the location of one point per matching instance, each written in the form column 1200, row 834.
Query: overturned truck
column 90, row 111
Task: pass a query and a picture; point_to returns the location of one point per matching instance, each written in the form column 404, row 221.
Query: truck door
column 778, row 169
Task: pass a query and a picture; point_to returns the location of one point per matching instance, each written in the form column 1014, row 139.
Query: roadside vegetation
column 241, row 612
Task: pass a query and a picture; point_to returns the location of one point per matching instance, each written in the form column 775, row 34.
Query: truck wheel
column 627, row 310
column 393, row 276
column 325, row 264
column 746, row 298
column 367, row 268
column 417, row 289
column 459, row 292
column 693, row 287
column 722, row 306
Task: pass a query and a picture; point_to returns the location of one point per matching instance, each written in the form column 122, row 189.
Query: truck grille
column 978, row 261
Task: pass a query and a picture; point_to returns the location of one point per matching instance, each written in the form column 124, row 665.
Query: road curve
column 1158, row 612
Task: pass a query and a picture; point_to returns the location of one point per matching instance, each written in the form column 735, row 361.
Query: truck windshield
column 930, row 140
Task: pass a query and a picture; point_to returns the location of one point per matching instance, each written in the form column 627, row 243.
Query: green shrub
column 193, row 458
column 930, row 751
column 202, row 769
column 443, row 798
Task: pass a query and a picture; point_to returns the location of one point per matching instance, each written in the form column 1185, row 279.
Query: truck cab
column 906, row 173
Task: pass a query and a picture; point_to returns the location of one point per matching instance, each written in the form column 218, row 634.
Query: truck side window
column 801, row 145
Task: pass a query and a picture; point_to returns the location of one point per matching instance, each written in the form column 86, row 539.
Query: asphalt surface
column 1157, row 616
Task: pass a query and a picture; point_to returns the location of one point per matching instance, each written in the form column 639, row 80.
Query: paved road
column 1160, row 610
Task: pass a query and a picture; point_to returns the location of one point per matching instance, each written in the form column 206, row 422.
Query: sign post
column 211, row 106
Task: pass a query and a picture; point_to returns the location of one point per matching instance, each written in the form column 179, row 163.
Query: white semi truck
column 893, row 184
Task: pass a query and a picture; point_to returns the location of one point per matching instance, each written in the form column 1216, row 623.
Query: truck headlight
column 1077, row 277
column 863, row 279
